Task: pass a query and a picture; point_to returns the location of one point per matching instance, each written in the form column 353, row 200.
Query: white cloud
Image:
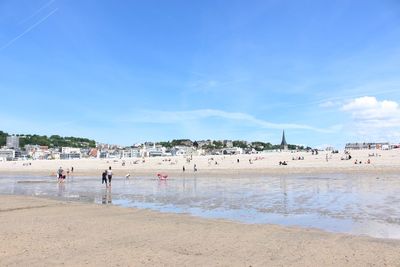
column 329, row 104
column 372, row 118
column 167, row 117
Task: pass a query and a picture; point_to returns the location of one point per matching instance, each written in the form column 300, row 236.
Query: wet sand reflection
column 358, row 204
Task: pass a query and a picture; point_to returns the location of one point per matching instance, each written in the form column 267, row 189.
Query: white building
column 70, row 153
column 69, row 150
column 12, row 142
column 130, row 153
column 232, row 151
column 7, row 154
column 181, row 151
column 367, row 146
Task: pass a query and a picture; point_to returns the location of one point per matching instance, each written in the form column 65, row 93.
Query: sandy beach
column 41, row 232
column 217, row 165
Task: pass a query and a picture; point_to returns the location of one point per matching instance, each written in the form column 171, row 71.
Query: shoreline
column 237, row 165
column 70, row 233
column 221, row 173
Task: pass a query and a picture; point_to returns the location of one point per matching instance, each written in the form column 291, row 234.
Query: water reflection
column 106, row 196
column 342, row 203
column 61, row 189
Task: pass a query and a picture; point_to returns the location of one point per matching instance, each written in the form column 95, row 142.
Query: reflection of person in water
column 107, row 196
column 61, row 189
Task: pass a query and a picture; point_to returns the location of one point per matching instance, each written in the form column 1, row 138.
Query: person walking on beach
column 104, row 177
column 109, row 175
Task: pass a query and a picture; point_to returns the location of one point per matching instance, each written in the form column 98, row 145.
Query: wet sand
column 358, row 204
column 37, row 232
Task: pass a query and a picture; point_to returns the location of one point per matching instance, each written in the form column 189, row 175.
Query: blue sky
column 328, row 72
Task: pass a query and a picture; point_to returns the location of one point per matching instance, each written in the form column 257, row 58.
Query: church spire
column 284, row 145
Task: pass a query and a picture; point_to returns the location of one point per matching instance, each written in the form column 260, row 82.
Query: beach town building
column 181, row 151
column 94, row 153
column 228, row 143
column 55, row 155
column 232, row 151
column 203, row 143
column 103, row 154
column 367, row 146
column 7, row 154
column 151, row 149
column 284, row 145
column 130, row 153
column 12, row 142
column 38, row 152
column 70, row 153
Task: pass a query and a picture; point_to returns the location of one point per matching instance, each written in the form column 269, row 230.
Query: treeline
column 258, row 146
column 52, row 141
column 3, row 138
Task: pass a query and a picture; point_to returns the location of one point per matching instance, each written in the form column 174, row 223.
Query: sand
column 41, row 232
column 267, row 163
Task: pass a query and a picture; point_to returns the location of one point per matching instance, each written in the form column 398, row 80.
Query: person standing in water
column 109, row 175
column 60, row 174
column 104, row 178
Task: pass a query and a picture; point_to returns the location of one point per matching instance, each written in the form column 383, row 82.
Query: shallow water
column 356, row 204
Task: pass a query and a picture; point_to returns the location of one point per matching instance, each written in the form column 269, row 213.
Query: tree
column 195, row 144
column 218, row 144
column 240, row 144
column 3, row 138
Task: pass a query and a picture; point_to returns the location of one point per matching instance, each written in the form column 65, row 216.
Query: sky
column 123, row 72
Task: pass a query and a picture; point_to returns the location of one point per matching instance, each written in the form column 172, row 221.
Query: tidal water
column 355, row 204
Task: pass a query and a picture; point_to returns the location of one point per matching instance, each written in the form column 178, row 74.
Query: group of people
column 62, row 174
column 194, row 168
column 107, row 174
column 360, row 162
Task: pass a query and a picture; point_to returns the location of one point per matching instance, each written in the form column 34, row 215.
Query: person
column 183, row 169
column 104, row 177
column 72, row 169
column 109, row 175
column 60, row 173
column 195, row 168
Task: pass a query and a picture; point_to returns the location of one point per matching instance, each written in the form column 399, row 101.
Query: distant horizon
column 206, row 139
column 135, row 71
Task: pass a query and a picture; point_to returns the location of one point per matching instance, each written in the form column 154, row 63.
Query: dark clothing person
column 104, row 177
column 59, row 172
